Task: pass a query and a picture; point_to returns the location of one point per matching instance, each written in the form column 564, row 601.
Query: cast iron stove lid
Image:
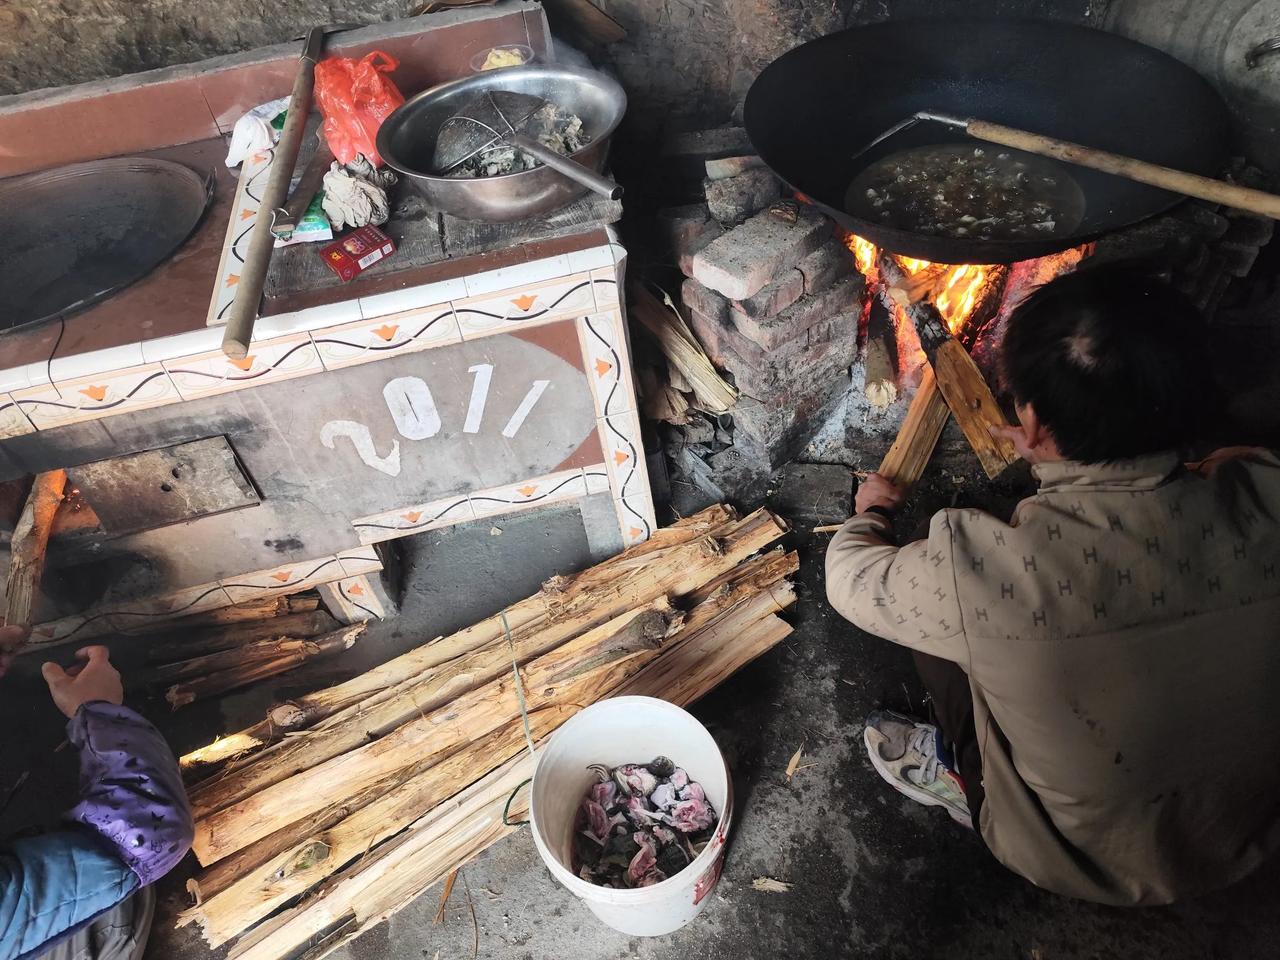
column 78, row 234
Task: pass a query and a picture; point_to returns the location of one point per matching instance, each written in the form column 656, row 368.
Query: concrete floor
column 873, row 874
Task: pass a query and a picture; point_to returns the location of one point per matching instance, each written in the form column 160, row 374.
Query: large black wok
column 811, row 111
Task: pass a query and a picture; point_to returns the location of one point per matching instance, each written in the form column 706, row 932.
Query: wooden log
column 200, row 688
column 384, row 680
column 243, row 656
column 880, row 360
column 564, row 608
column 318, row 850
column 966, row 392
column 451, row 834
column 711, row 391
column 267, row 608
column 755, row 590
column 598, row 660
column 926, row 416
column 229, row 636
column 28, row 546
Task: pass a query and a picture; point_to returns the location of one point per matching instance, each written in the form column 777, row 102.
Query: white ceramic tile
column 417, row 329
column 604, row 284
column 226, row 283
column 15, row 378
column 624, row 455
column 552, row 488
column 286, row 578
column 97, row 396
column 633, row 526
column 186, row 344
column 38, row 373
column 517, row 275
column 312, row 318
column 96, row 361
column 13, row 422
column 604, row 345
column 565, row 297
column 360, row 560
column 358, row 599
column 591, row 258
column 397, row 301
column 407, row 520
column 597, row 477
column 267, row 362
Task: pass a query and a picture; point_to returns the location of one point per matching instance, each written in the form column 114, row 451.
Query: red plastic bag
column 354, row 97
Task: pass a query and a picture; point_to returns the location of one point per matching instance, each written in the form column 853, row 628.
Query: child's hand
column 93, row 679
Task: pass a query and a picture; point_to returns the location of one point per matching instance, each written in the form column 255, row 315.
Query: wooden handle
column 28, row 546
column 1177, row 181
column 244, row 310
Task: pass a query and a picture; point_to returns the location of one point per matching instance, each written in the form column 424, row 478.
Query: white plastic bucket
column 613, row 732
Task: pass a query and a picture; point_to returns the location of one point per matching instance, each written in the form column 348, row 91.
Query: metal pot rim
column 449, row 86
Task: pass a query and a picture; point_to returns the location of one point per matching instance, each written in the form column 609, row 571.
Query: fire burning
column 959, row 290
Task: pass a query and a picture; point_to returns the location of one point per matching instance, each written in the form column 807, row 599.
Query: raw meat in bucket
column 640, row 824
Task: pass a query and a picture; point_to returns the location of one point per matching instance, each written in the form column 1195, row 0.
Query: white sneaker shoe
column 904, row 753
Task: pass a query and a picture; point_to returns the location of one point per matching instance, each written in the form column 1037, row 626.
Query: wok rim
column 943, row 249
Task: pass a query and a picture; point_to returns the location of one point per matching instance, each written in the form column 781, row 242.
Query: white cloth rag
column 356, row 195
column 253, row 131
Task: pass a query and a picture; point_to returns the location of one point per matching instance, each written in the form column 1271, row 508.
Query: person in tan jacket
column 1103, row 668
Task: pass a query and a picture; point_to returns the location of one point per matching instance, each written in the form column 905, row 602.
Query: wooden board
column 424, row 236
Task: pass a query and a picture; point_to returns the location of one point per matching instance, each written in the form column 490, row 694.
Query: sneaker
column 904, row 752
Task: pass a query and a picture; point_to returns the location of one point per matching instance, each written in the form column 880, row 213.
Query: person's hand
column 92, row 679
column 1018, row 437
column 876, row 491
column 11, row 638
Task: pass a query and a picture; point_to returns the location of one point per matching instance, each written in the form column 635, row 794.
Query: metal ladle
column 500, row 118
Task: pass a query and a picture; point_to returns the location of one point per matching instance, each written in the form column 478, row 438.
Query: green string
column 507, row 809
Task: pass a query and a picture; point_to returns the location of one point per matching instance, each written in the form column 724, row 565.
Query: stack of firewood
column 341, row 807
column 223, row 650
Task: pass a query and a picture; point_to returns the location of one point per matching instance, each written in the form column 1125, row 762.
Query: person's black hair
column 1111, row 361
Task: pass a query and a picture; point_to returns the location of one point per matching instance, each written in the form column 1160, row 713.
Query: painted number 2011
column 414, row 411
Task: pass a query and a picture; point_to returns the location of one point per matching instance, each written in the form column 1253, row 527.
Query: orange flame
column 957, row 289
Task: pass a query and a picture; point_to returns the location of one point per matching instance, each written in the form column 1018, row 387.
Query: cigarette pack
column 357, row 252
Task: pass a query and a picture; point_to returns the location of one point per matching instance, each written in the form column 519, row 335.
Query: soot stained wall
column 684, row 61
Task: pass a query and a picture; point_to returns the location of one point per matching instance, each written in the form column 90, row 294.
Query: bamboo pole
column 28, row 546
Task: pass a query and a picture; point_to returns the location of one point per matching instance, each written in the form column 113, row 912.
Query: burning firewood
column 880, row 362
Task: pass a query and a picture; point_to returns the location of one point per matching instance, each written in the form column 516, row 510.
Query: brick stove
column 480, row 370
column 782, row 301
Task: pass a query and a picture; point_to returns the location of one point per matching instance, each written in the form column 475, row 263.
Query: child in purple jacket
column 81, row 891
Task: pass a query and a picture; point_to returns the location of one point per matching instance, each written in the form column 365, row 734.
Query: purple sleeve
column 131, row 792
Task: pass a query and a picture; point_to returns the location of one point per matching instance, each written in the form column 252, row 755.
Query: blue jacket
column 131, row 827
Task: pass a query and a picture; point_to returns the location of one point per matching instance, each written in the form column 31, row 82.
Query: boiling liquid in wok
column 970, row 192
